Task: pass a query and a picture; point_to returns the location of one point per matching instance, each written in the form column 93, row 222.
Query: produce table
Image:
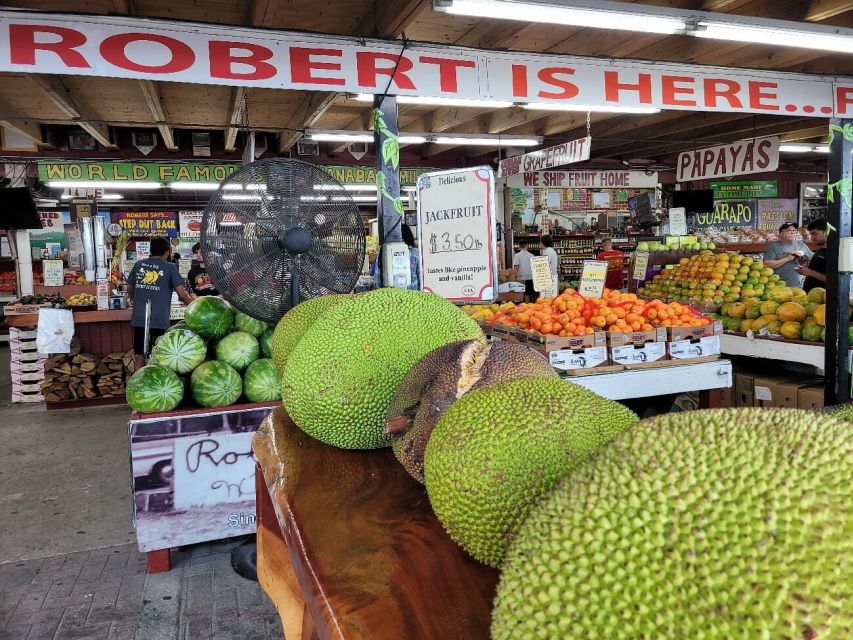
column 810, row 353
column 348, row 546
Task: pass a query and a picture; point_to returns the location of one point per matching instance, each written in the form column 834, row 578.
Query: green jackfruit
column 443, row 376
column 295, row 322
column 341, row 375
column 498, row 449
column 719, row 524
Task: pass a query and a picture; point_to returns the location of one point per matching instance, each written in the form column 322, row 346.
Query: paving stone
column 89, row 632
column 31, row 601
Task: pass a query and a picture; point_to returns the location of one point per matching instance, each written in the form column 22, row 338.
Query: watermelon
column 209, row 316
column 247, row 323
column 182, row 350
column 266, row 344
column 262, row 382
column 154, row 389
column 215, row 384
column 178, row 325
column 238, row 349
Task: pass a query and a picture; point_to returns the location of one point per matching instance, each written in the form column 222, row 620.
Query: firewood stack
column 82, row 375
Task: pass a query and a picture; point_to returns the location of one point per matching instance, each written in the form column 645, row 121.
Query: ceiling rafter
column 27, row 127
column 262, row 12
column 825, row 9
column 236, row 108
column 73, row 106
column 151, row 92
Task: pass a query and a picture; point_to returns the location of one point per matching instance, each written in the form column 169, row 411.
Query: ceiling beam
column 152, row 97
column 123, row 7
column 306, row 114
column 73, row 107
column 825, row 9
column 235, row 115
column 17, row 122
column 262, row 12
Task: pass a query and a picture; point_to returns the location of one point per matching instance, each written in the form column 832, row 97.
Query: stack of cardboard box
column 758, row 390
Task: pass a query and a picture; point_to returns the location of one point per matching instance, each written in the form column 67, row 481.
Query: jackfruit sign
column 456, row 232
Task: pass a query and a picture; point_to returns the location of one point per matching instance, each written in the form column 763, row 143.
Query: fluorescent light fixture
column 441, row 102
column 345, row 187
column 555, row 106
column 409, row 138
column 103, row 196
column 409, row 188
column 193, row 186
column 803, row 39
column 357, row 199
column 804, row 148
column 487, row 141
column 246, row 197
column 103, row 184
column 578, row 15
column 340, row 136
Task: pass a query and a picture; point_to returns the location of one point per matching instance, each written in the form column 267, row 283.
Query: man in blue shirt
column 153, row 280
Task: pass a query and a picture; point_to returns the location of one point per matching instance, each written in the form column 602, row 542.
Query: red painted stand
column 159, row 561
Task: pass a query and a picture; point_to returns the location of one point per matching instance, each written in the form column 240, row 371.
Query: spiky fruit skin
column 712, row 525
column 498, row 449
column 442, row 377
column 340, row 376
column 295, row 322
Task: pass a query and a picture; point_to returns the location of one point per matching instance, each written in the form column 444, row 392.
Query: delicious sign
column 125, row 47
column 556, row 156
column 585, row 180
column 737, row 158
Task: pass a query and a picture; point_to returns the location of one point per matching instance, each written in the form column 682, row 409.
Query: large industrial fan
column 279, row 231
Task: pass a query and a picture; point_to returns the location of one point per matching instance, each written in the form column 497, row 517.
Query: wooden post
column 389, row 204
column 838, row 194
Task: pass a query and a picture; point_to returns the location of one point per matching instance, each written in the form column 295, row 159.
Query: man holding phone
column 815, row 269
column 784, row 255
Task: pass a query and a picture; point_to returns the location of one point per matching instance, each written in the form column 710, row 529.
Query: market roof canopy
column 199, row 53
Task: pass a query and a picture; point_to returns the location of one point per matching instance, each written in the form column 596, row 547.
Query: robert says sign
column 556, row 156
column 735, row 159
column 126, row 47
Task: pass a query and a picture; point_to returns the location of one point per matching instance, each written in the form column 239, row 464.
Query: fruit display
column 248, row 324
column 484, row 475
column 339, row 377
column 81, row 300
column 570, row 314
column 486, row 311
column 8, row 282
column 55, row 301
column 295, row 322
column 214, row 369
column 718, row 524
column 209, row 316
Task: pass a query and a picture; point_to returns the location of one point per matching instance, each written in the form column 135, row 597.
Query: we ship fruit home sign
column 163, row 50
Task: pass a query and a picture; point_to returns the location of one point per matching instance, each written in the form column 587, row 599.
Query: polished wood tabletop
column 366, row 552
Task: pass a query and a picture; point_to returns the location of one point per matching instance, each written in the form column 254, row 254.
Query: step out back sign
column 456, row 232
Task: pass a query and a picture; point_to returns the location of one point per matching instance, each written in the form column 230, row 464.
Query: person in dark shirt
column 153, row 280
column 815, row 269
column 198, row 279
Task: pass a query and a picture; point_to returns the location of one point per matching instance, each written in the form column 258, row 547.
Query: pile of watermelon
column 215, row 357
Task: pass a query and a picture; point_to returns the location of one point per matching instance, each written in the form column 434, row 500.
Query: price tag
column 143, row 249
column 177, row 312
column 678, row 221
column 53, row 273
column 103, row 294
column 566, row 359
column 641, row 264
column 541, row 268
column 592, row 278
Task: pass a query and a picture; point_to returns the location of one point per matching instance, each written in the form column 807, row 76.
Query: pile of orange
column 570, row 314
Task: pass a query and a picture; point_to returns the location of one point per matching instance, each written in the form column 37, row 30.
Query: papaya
column 811, row 332
column 820, row 315
column 745, row 325
column 818, row 295
column 791, row 312
column 733, row 324
column 823, row 335
column 810, row 322
column 737, row 310
column 791, row 330
column 850, row 334
column 753, row 312
column 797, row 292
column 775, row 328
column 769, row 307
column 763, row 321
column 780, row 294
column 810, row 308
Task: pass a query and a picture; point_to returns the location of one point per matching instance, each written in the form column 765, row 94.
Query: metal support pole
column 836, row 359
column 389, row 205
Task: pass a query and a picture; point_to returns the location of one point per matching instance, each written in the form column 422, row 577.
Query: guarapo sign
column 121, row 47
column 556, row 156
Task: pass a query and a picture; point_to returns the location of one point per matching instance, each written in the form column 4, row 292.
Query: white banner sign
column 127, row 47
column 212, row 469
column 189, row 223
column 678, row 221
column 556, row 156
column 584, row 180
column 53, row 273
column 456, row 233
column 735, row 159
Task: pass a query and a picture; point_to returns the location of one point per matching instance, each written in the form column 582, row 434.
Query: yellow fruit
column 820, row 315
column 769, row 307
column 791, row 330
column 763, row 321
column 791, row 312
column 745, row 325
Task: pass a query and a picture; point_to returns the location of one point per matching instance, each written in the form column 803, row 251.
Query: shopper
column 815, row 271
column 521, row 263
column 553, row 261
column 152, row 280
column 198, row 280
column 615, row 260
column 783, row 255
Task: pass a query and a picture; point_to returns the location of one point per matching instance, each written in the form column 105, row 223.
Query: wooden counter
column 349, row 548
column 80, row 317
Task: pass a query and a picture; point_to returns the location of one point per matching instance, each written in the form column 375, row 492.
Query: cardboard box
column 691, row 350
column 780, row 392
column 581, row 354
column 636, row 338
column 810, row 397
column 25, row 354
column 632, row 356
column 744, row 384
column 511, row 296
column 28, row 366
column 17, row 309
column 548, row 343
column 727, row 397
column 22, row 335
column 27, row 392
column 676, row 334
column 502, row 332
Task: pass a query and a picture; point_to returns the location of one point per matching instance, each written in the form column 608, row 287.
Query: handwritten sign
column 678, row 221
column 556, row 156
column 541, row 268
column 456, row 227
column 592, row 280
column 53, row 273
column 148, row 224
column 641, row 265
column 214, row 469
column 774, row 212
column 190, row 223
column 143, row 249
column 50, row 219
column 735, row 159
column 729, row 213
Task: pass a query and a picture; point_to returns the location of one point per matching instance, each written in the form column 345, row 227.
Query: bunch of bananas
column 81, row 300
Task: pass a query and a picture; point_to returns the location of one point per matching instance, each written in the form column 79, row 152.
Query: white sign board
column 567, row 179
column 556, row 156
column 678, row 221
column 156, row 49
column 641, row 265
column 53, row 273
column 737, row 158
column 456, row 234
column 143, row 249
column 212, row 469
column 592, row 280
column 540, row 267
column 189, row 223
